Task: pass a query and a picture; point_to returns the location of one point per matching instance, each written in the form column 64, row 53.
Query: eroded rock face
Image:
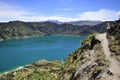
column 93, row 65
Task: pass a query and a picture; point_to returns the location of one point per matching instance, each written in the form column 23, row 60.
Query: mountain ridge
column 18, row 29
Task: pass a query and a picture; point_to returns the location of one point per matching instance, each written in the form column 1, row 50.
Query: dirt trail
column 114, row 64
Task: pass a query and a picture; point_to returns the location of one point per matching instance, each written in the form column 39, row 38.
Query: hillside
column 102, row 62
column 18, row 29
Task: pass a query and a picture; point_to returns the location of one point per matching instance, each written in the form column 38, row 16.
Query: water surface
column 14, row 53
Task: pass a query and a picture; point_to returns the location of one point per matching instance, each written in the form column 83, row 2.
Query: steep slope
column 16, row 30
column 92, row 63
column 101, row 63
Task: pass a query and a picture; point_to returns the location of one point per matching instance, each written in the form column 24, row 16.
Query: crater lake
column 20, row 52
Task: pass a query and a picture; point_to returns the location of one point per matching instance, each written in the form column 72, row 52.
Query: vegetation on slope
column 41, row 70
column 17, row 29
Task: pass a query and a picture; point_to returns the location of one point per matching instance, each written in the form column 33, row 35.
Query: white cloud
column 14, row 12
column 45, row 18
column 11, row 10
column 102, row 14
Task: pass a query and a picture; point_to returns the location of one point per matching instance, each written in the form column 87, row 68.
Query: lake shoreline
column 26, row 37
column 21, row 52
column 28, row 65
column 14, row 69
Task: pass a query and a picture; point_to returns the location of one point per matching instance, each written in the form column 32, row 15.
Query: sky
column 61, row 10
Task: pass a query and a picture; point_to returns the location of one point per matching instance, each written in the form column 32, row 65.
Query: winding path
column 114, row 64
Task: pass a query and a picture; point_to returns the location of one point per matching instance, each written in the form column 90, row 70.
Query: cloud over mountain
column 12, row 11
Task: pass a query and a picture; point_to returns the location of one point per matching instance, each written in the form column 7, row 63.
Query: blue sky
column 62, row 10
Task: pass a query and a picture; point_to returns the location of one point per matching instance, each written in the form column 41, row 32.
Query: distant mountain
column 17, row 29
column 55, row 21
column 85, row 22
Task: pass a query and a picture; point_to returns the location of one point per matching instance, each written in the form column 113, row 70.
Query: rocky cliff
column 102, row 62
column 113, row 35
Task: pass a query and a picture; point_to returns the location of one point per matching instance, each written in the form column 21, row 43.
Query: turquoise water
column 14, row 53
